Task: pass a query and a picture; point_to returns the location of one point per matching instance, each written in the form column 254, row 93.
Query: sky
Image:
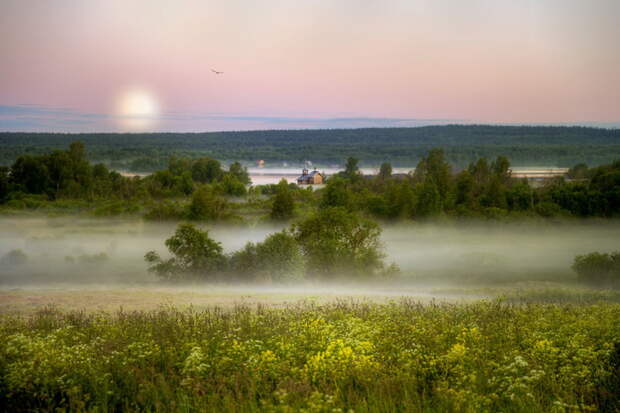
column 146, row 65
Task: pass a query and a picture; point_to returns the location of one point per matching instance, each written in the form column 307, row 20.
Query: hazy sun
column 137, row 109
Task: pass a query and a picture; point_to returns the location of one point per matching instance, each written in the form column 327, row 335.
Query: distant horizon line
column 29, row 118
column 587, row 125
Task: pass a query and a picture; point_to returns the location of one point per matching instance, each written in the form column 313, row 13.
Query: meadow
column 484, row 317
column 340, row 356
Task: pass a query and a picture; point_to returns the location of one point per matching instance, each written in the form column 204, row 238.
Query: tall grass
column 404, row 356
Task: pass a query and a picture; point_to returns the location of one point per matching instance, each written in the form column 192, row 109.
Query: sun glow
column 137, row 109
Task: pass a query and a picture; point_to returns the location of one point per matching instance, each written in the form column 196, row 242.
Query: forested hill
column 524, row 145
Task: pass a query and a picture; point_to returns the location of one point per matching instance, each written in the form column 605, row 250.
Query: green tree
column 283, row 204
column 184, row 183
column 501, row 169
column 495, row 194
column 29, row 174
column 520, row 196
column 352, row 169
column 428, row 201
column 194, row 255
column 230, row 185
column 480, row 172
column 207, row 170
column 336, row 194
column 59, row 169
column 465, row 189
column 240, row 172
column 176, row 166
column 401, row 199
column 336, row 242
column 206, row 205
column 436, row 170
column 385, row 171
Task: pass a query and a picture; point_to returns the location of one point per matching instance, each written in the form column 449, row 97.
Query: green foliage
column 404, row 356
column 336, row 242
column 336, row 194
column 483, row 190
column 278, row 258
column 283, row 204
column 240, row 172
column 206, row 170
column 428, row 201
column 206, row 205
column 194, row 256
column 231, row 186
column 165, row 211
column 434, row 172
column 351, row 169
column 385, row 171
column 598, row 268
column 462, row 144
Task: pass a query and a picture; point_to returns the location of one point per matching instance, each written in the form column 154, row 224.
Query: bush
column 277, row 258
column 598, row 268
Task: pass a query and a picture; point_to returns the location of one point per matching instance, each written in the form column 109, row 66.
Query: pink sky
column 529, row 61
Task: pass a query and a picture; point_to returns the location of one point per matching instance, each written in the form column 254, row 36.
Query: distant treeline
column 462, row 144
column 201, row 189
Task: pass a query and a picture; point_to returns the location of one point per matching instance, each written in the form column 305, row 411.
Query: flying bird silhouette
column 216, row 72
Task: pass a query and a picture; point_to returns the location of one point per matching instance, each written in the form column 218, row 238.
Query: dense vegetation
column 200, row 189
column 599, row 269
column 332, row 243
column 524, row 145
column 483, row 357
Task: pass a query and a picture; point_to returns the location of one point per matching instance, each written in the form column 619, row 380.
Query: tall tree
column 429, row 201
column 436, row 170
column 283, row 204
column 385, row 171
column 194, row 255
column 240, row 172
column 337, row 242
column 352, row 170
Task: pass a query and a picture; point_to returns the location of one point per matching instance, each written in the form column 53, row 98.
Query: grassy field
column 528, row 349
column 89, row 299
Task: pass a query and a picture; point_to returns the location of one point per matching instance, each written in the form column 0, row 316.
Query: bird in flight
column 216, row 72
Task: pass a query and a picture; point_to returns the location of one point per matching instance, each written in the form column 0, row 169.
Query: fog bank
column 110, row 252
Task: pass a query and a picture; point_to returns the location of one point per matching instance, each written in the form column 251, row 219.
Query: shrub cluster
column 598, row 268
column 332, row 242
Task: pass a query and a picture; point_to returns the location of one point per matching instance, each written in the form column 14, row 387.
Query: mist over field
column 107, row 252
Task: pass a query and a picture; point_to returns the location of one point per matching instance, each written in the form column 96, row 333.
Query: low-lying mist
column 75, row 251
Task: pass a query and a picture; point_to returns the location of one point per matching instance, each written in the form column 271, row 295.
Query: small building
column 310, row 178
